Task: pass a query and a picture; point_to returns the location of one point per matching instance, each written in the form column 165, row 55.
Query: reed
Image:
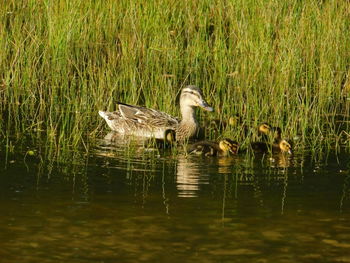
column 282, row 62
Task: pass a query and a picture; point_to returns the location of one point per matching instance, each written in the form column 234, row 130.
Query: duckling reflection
column 225, row 147
column 189, row 177
column 280, row 160
column 225, row 164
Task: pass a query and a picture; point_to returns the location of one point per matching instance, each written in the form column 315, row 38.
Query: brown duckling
column 215, row 126
column 282, row 145
column 274, row 135
column 278, row 146
column 222, row 124
column 267, row 132
column 224, row 147
column 264, row 129
column 169, row 139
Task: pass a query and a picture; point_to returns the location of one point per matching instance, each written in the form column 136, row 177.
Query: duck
column 145, row 122
column 224, row 147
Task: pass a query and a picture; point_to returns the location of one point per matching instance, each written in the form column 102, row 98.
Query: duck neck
column 188, row 115
column 188, row 127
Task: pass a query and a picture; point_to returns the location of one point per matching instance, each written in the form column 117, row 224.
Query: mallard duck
column 207, row 148
column 278, row 146
column 141, row 121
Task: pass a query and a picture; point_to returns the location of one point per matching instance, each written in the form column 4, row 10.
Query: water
column 130, row 204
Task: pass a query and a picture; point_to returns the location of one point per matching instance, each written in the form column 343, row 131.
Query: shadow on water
column 125, row 202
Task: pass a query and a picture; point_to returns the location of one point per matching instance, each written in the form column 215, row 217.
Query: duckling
column 278, row 146
column 225, row 147
column 267, row 132
column 277, row 132
column 264, row 129
column 215, row 126
column 219, row 124
column 282, row 145
column 169, row 139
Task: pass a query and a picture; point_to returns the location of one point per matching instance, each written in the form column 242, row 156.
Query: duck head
column 227, row 145
column 285, row 146
column 192, row 96
column 264, row 129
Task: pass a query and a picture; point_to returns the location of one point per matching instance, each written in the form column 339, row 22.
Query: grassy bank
column 282, row 62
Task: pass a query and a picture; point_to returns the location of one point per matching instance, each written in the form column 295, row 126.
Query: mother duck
column 141, row 121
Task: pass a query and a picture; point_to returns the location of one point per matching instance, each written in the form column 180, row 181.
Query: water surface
column 121, row 203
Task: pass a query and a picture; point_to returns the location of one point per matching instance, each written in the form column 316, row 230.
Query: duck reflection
column 193, row 172
column 115, row 144
column 189, row 177
column 117, row 139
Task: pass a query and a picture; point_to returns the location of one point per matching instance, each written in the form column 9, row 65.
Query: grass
column 282, row 62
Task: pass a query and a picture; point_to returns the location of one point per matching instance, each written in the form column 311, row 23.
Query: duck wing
column 147, row 116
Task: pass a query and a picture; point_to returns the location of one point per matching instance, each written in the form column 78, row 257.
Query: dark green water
column 120, row 205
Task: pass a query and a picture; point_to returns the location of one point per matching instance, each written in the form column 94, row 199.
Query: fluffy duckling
column 224, row 147
column 214, row 127
column 264, row 129
column 267, row 132
column 169, row 139
column 282, row 145
column 220, row 125
column 278, row 146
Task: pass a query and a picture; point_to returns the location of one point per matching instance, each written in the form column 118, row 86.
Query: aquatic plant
column 281, row 62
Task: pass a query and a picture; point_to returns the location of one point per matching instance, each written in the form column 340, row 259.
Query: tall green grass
column 282, row 62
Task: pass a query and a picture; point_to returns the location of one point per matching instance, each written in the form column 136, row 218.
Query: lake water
column 133, row 204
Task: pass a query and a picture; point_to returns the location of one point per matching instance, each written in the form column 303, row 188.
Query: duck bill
column 233, row 152
column 289, row 152
column 204, row 105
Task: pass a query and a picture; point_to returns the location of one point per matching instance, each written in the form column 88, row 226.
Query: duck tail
column 103, row 114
